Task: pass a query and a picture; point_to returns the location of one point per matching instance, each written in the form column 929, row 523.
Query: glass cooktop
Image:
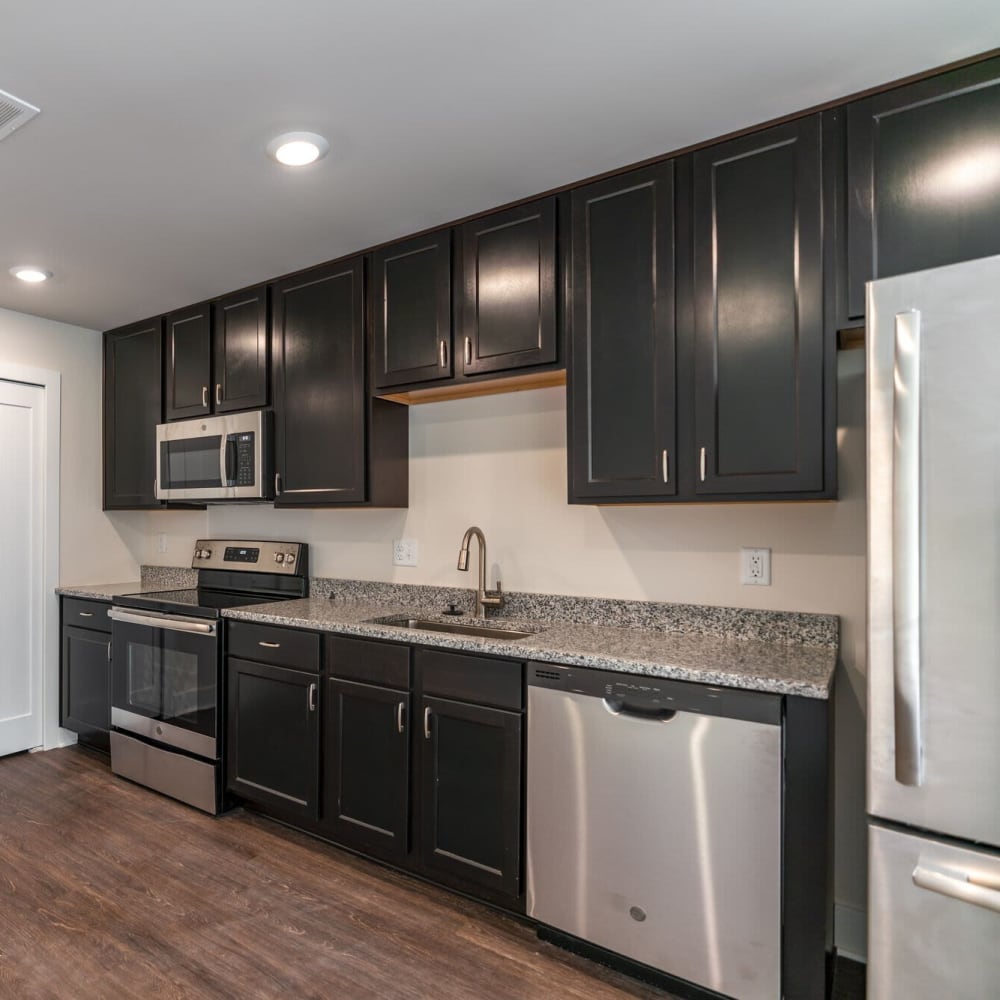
column 201, row 603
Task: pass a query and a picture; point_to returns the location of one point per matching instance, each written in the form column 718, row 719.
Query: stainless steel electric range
column 167, row 714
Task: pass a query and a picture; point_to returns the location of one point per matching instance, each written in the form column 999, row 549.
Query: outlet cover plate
column 755, row 567
column 404, row 552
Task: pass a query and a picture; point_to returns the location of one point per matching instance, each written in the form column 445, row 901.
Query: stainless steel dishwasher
column 654, row 823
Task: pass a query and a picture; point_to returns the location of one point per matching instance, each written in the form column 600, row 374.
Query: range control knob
column 290, row 558
column 199, row 553
column 279, row 557
column 206, row 553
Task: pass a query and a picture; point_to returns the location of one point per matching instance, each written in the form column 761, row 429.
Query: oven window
column 166, row 675
column 191, row 463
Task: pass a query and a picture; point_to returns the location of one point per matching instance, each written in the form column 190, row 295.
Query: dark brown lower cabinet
column 272, row 742
column 367, row 766
column 86, row 684
column 470, row 776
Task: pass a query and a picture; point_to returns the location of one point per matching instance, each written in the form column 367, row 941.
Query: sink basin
column 453, row 628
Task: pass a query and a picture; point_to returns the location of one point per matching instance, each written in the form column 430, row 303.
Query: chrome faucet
column 484, row 598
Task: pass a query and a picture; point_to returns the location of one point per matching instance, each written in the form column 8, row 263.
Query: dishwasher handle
column 615, row 706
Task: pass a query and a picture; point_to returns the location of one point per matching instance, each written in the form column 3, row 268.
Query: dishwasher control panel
column 645, row 694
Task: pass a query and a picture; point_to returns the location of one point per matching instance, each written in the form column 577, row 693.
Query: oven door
column 165, row 678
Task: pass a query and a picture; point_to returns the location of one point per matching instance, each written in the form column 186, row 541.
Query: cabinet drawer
column 86, row 614
column 477, row 679
column 284, row 647
column 368, row 661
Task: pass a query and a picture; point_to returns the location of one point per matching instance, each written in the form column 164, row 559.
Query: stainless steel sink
column 482, row 631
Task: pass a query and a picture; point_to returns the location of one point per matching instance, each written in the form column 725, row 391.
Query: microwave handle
column 229, row 460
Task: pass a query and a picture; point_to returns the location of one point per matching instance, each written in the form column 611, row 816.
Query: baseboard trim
column 850, row 932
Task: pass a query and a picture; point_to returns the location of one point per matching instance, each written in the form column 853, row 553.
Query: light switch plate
column 755, row 567
column 404, row 552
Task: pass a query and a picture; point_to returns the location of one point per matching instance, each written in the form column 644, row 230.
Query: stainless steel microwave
column 216, row 458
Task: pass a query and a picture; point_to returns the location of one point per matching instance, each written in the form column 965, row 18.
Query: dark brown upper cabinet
column 133, row 406
column 189, row 363
column 217, row 356
column 923, row 182
column 758, row 313
column 508, row 267
column 411, row 306
column 622, row 388
column 333, row 445
column 240, row 350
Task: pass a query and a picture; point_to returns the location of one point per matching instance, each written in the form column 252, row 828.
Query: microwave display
column 191, row 463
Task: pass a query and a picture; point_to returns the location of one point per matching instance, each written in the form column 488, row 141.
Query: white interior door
column 22, row 464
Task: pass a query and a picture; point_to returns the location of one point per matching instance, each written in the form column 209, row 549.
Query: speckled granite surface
column 721, row 623
column 168, row 577
column 152, row 579
column 780, row 667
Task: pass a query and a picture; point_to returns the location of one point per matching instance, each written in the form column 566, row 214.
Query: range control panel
column 260, row 557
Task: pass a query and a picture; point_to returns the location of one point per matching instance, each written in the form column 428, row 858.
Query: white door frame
column 52, row 734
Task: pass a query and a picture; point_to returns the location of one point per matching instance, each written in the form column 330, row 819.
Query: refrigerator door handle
column 969, row 888
column 906, row 554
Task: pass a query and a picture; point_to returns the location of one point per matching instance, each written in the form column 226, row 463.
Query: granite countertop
column 102, row 591
column 782, row 668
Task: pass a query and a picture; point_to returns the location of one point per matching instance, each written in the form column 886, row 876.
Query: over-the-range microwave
column 216, row 458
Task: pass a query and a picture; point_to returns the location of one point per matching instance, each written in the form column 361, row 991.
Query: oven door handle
column 168, row 622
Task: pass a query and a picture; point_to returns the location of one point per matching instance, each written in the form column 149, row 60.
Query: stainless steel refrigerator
column 933, row 345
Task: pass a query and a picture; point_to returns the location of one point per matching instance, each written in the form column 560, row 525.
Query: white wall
column 500, row 462
column 92, row 548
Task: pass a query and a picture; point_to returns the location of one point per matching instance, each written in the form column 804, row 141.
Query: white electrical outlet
column 404, row 552
column 755, row 567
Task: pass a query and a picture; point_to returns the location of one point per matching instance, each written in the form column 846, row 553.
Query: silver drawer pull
column 666, row 466
column 468, row 350
column 400, row 708
column 269, row 645
column 204, row 395
column 443, row 354
column 702, row 465
column 218, row 393
column 86, row 614
column 978, row 890
column 109, row 650
column 427, row 723
column 312, row 697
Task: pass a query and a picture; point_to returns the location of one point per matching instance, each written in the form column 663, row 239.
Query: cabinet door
column 411, row 307
column 758, row 296
column 272, row 743
column 133, row 406
column 622, row 406
column 509, row 289
column 86, row 683
column 240, row 350
column 367, row 766
column 319, row 386
column 471, row 794
column 189, row 363
column 923, row 176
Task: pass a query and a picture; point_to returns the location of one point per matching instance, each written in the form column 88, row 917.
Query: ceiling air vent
column 14, row 113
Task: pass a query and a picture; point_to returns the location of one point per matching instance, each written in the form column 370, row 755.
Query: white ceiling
column 143, row 185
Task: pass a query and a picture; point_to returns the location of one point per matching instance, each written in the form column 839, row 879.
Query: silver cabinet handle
column 980, row 891
column 906, row 549
column 468, row 350
column 109, row 650
column 312, row 697
column 702, row 462
column 86, row 614
column 665, row 461
column 443, row 354
column 277, row 484
column 218, row 393
column 269, row 645
column 427, row 723
column 204, row 395
column 400, row 709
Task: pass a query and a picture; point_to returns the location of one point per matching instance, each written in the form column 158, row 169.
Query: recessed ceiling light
column 31, row 274
column 296, row 149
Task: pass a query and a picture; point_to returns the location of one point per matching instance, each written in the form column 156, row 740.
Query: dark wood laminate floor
column 108, row 890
